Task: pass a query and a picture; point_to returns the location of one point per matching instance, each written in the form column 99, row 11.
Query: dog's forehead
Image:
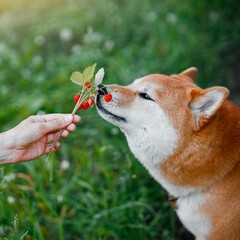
column 163, row 82
column 138, row 81
column 147, row 83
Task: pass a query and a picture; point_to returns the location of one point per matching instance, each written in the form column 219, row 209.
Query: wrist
column 6, row 147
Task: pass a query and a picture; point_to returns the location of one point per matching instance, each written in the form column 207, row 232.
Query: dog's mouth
column 106, row 112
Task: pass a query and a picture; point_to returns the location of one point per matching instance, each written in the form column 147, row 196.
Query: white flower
column 214, row 16
column 91, row 36
column 171, row 18
column 109, row 45
column 36, row 60
column 11, row 199
column 39, row 40
column 99, row 76
column 104, row 148
column 10, row 177
column 152, row 16
column 115, row 131
column 66, row 34
column 76, row 49
column 65, row 165
column 59, row 198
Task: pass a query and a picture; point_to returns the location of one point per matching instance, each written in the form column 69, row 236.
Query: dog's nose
column 102, row 90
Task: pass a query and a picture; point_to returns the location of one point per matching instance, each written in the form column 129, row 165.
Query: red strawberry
column 90, row 101
column 108, row 97
column 85, row 105
column 80, row 107
column 87, row 85
column 76, row 97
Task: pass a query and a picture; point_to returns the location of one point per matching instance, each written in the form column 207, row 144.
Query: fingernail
column 68, row 118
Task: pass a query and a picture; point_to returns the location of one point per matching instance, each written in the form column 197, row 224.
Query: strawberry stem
column 84, row 94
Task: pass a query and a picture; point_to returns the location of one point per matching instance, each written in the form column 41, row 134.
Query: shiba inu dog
column 189, row 141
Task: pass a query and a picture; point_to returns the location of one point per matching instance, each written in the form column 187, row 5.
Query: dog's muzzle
column 102, row 91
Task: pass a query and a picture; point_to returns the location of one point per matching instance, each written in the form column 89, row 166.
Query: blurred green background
column 94, row 188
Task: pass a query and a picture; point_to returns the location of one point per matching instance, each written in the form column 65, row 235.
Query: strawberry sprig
column 87, row 94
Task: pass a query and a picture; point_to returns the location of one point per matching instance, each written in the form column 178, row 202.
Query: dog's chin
column 107, row 115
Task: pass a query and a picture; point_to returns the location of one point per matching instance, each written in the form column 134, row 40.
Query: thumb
column 56, row 124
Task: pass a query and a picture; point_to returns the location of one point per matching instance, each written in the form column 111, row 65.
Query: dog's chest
column 151, row 153
column 188, row 207
column 189, row 212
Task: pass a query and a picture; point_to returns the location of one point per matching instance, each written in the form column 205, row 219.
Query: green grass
column 105, row 193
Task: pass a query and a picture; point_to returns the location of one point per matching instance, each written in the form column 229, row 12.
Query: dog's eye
column 145, row 96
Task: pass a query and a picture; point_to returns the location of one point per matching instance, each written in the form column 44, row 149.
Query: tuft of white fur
column 192, row 219
column 207, row 104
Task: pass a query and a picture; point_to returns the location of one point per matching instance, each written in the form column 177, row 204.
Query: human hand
column 30, row 139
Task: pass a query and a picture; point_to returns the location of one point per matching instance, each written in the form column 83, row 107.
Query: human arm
column 30, row 139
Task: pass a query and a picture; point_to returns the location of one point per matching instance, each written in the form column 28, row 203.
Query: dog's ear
column 205, row 103
column 190, row 72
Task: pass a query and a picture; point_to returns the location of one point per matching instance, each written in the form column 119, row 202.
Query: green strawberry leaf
column 88, row 73
column 77, row 78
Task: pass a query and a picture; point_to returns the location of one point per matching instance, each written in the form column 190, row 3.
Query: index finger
column 53, row 116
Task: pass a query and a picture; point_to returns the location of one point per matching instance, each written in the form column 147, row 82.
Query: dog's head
column 157, row 113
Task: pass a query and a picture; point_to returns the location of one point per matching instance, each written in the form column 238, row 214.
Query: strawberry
column 87, row 85
column 108, row 97
column 85, row 105
column 90, row 101
column 76, row 98
column 80, row 106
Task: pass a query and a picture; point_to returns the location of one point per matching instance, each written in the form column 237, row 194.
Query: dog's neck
column 210, row 155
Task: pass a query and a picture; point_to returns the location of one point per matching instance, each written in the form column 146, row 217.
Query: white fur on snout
column 113, row 108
